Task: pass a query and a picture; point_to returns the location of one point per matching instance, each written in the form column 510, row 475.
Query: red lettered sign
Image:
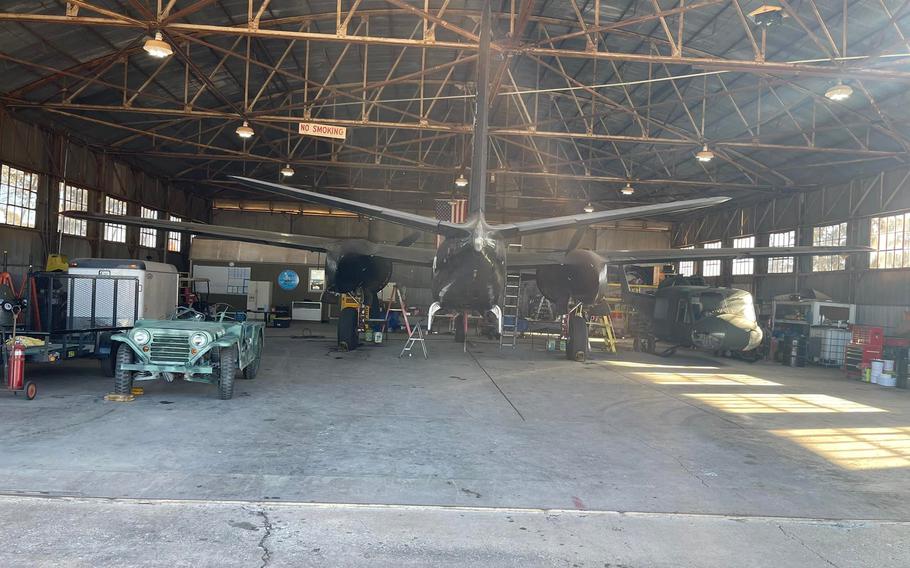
column 327, row 130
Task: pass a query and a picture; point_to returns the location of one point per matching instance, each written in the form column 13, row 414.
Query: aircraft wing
column 538, row 259
column 402, row 254
column 584, row 219
column 392, row 215
column 671, row 255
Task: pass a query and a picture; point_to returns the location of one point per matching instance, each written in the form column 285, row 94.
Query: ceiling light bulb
column 589, row 208
column 704, row 155
column 839, row 92
column 461, row 181
column 157, row 47
column 244, row 131
column 628, row 190
column 287, row 171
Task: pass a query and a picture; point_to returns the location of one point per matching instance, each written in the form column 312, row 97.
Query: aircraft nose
column 726, row 333
column 755, row 338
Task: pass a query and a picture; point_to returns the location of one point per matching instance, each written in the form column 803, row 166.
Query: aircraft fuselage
column 469, row 271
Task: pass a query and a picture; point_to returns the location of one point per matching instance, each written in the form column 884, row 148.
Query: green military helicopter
column 686, row 312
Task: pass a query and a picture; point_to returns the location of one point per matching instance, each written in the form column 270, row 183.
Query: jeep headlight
column 198, row 340
column 141, row 336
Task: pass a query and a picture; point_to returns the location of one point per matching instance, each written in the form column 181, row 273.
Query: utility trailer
column 73, row 315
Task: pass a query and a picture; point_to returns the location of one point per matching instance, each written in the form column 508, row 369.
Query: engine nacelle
column 581, row 278
column 349, row 271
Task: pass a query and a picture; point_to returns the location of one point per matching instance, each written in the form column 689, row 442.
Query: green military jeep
column 191, row 346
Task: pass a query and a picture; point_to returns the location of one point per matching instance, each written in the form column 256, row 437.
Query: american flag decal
column 454, row 210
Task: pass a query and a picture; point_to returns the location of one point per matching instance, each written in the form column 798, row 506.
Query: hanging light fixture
column 705, row 155
column 461, row 181
column 157, row 47
column 628, row 190
column 589, row 208
column 244, row 130
column 287, row 171
column 839, row 92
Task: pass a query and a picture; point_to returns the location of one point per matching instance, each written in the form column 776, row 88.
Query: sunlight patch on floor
column 856, row 448
column 635, row 364
column 669, row 378
column 780, row 403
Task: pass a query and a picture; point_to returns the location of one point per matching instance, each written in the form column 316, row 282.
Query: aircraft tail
column 477, row 193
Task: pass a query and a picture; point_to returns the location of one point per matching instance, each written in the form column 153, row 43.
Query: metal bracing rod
column 289, row 74
column 444, row 127
column 744, row 66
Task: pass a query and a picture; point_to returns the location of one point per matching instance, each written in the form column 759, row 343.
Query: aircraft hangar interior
column 455, row 283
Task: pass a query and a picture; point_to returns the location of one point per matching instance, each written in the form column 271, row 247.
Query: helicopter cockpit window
column 696, row 308
column 737, row 303
column 682, row 311
column 712, row 303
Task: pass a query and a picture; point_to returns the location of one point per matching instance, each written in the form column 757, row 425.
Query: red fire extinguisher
column 15, row 377
column 16, row 372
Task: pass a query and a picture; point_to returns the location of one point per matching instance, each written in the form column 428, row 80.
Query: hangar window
column 114, row 232
column 781, row 264
column 743, row 266
column 711, row 267
column 829, row 235
column 890, row 237
column 174, row 241
column 687, row 267
column 72, row 199
column 148, row 238
column 18, row 197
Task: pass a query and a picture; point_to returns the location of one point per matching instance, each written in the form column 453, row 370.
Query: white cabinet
column 258, row 299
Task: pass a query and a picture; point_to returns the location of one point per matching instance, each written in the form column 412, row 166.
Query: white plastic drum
column 877, row 367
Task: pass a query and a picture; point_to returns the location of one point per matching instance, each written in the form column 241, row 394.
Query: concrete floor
column 486, row 458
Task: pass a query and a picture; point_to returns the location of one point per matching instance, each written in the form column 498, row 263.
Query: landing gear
column 646, row 344
column 577, row 338
column 348, row 334
column 497, row 312
column 461, row 328
column 434, row 307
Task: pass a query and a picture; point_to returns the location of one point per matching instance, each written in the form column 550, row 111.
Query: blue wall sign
column 288, row 280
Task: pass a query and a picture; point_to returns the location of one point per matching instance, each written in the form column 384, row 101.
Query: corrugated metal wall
column 54, row 157
column 882, row 295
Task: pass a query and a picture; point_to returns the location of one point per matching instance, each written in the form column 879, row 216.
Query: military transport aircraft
column 470, row 265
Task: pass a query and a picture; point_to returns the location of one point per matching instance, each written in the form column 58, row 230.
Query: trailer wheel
column 31, row 390
column 577, row 344
column 109, row 363
column 226, row 371
column 123, row 379
column 251, row 370
column 348, row 338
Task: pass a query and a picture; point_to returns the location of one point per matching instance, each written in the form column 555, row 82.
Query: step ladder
column 414, row 337
column 402, row 309
column 605, row 324
column 544, row 310
column 509, row 335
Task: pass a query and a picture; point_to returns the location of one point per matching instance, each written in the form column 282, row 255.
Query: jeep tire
column 226, row 370
column 123, row 379
column 251, row 370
